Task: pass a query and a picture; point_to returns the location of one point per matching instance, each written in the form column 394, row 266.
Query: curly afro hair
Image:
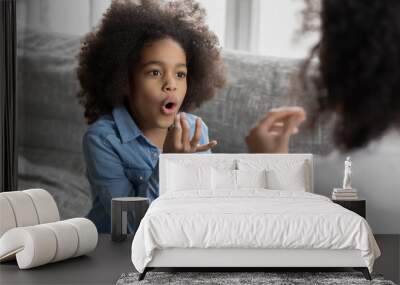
column 109, row 54
column 359, row 69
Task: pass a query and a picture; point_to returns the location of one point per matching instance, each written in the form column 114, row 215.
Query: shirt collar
column 127, row 127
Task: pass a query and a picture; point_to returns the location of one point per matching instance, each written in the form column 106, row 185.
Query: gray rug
column 275, row 278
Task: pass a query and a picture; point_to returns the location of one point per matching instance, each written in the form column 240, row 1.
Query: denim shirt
column 122, row 162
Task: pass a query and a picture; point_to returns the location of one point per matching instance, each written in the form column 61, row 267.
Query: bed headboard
column 233, row 161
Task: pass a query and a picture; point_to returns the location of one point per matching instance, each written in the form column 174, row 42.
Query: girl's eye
column 154, row 73
column 181, row 74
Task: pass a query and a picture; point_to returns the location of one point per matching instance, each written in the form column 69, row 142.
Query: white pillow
column 281, row 174
column 292, row 179
column 224, row 179
column 182, row 177
column 252, row 178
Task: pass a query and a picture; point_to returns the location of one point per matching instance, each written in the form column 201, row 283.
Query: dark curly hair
column 109, row 54
column 359, row 70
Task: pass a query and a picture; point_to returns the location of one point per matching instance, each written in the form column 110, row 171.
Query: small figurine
column 347, row 174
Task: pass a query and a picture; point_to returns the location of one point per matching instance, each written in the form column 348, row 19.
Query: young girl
column 145, row 64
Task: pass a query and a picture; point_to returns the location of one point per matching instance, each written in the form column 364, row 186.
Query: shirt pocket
column 137, row 176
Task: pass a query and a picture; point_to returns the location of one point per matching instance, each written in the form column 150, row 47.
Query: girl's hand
column 177, row 140
column 273, row 132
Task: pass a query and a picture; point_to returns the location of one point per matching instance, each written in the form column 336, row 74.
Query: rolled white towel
column 33, row 246
column 87, row 234
column 26, row 208
column 23, row 208
column 67, row 240
column 40, row 244
column 46, row 207
column 7, row 218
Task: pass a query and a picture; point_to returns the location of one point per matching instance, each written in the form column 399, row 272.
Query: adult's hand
column 272, row 133
column 178, row 141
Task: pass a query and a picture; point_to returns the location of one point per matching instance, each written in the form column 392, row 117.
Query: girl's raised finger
column 177, row 132
column 205, row 147
column 185, row 132
column 197, row 134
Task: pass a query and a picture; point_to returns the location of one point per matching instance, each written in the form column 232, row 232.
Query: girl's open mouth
column 168, row 108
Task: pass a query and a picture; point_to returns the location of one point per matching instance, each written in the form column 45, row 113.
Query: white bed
column 268, row 218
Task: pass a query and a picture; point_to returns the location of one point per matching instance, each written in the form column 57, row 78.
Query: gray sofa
column 51, row 124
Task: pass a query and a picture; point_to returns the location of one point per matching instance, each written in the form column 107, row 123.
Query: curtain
column 242, row 25
column 8, row 159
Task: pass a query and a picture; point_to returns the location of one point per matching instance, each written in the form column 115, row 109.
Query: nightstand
column 119, row 214
column 357, row 206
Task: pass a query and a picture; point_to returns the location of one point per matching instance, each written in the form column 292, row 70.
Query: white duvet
column 252, row 218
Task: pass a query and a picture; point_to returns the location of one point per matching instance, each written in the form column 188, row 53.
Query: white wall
column 73, row 17
column 279, row 21
column 97, row 8
column 376, row 176
column 273, row 24
column 216, row 17
column 68, row 17
column 77, row 17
